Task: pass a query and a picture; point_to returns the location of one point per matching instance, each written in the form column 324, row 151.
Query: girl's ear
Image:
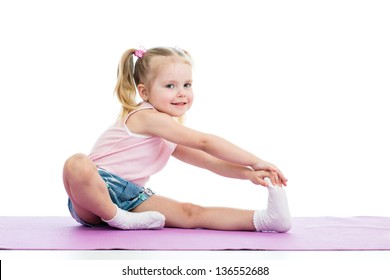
column 142, row 92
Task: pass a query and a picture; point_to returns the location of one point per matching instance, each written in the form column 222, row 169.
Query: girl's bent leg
column 87, row 190
column 92, row 202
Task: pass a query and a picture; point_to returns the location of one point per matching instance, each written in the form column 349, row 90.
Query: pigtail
column 125, row 88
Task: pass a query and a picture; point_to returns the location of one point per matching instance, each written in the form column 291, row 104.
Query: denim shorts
column 125, row 194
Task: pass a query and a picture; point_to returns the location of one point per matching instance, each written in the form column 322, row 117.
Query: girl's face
column 170, row 91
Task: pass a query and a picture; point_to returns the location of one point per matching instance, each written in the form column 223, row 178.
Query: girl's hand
column 257, row 177
column 277, row 177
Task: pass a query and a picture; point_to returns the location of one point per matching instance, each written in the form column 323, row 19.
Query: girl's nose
column 181, row 92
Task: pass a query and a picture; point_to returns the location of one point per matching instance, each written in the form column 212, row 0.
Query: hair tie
column 140, row 52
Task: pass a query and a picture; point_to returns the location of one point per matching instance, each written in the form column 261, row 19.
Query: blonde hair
column 130, row 75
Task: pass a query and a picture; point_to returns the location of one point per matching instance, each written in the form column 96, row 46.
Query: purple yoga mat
column 308, row 233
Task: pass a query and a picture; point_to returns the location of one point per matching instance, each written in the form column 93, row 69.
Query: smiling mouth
column 179, row 103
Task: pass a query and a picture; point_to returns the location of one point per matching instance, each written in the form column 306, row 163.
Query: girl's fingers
column 273, row 176
column 282, row 180
column 263, row 182
column 276, row 179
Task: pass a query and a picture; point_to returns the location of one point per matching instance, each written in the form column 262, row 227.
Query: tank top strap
column 143, row 106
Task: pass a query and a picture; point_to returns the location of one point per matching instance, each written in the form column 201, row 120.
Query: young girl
column 108, row 185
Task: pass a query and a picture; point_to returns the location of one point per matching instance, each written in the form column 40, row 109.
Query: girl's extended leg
column 188, row 215
column 91, row 200
column 276, row 217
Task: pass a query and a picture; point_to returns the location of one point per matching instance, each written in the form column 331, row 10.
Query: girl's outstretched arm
column 224, row 168
column 153, row 122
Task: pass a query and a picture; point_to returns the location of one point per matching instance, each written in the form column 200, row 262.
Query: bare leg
column 92, row 202
column 187, row 215
column 87, row 190
column 275, row 217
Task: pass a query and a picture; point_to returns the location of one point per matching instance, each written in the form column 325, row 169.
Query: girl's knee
column 78, row 166
column 191, row 212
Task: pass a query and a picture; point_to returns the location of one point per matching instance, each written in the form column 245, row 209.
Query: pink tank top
column 133, row 157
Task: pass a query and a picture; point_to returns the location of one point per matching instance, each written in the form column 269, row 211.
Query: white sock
column 130, row 220
column 276, row 217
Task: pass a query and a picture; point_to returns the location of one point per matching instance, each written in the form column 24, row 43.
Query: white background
column 303, row 84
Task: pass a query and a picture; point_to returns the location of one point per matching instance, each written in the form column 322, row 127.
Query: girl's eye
column 170, row 86
column 187, row 85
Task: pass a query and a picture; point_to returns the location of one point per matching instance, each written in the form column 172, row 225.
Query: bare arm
column 162, row 125
column 159, row 124
column 221, row 167
column 206, row 161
